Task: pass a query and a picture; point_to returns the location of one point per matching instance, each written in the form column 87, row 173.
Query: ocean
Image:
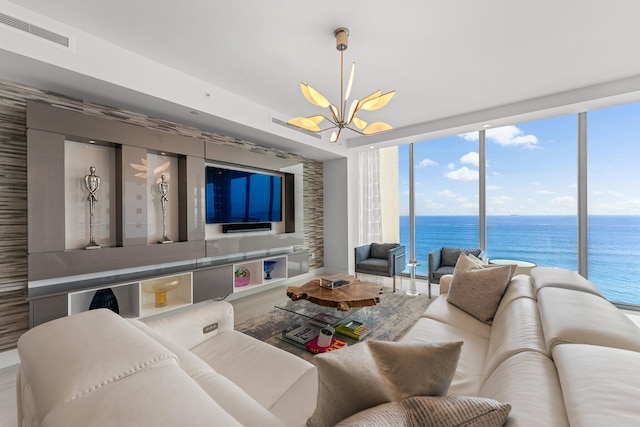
column 613, row 245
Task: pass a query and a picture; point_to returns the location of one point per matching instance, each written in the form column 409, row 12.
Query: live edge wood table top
column 357, row 294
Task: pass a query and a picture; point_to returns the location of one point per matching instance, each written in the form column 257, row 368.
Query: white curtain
column 369, row 215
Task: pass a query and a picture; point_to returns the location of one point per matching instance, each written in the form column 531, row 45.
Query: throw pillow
column 415, row 369
column 478, row 288
column 362, row 376
column 348, row 382
column 427, row 411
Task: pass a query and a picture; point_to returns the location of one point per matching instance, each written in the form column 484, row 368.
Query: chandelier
column 341, row 118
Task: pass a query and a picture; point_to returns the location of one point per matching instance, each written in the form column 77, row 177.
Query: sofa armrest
column 434, row 260
column 362, row 253
column 445, row 283
column 197, row 324
column 397, row 260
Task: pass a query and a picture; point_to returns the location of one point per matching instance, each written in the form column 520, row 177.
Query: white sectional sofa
column 557, row 351
column 187, row 369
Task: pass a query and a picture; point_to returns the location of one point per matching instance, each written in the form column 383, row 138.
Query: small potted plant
column 242, row 276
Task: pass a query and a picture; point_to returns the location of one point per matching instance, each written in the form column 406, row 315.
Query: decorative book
column 300, row 333
column 324, row 319
column 336, row 344
column 353, row 329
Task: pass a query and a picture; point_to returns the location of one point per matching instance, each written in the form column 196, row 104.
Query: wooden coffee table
column 357, row 294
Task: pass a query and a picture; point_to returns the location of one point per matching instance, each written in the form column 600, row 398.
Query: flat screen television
column 237, row 196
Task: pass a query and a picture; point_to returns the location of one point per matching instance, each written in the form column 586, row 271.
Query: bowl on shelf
column 268, row 268
column 160, row 288
column 242, row 277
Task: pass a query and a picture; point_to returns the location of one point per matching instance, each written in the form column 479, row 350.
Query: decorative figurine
column 92, row 183
column 163, row 186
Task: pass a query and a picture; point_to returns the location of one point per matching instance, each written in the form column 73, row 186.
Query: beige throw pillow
column 427, row 411
column 478, row 288
column 365, row 375
column 415, row 369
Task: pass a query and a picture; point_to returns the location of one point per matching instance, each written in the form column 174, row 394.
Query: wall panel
column 14, row 310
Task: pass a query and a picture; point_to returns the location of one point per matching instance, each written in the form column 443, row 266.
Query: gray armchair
column 443, row 261
column 380, row 259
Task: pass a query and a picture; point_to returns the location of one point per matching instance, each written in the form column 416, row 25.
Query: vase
column 105, row 298
column 268, row 269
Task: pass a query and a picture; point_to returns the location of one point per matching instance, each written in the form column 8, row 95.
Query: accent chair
column 380, row 259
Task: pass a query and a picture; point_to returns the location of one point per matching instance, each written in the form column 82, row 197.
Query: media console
column 195, row 283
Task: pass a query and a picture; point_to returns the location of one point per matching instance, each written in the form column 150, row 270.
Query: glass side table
column 413, row 264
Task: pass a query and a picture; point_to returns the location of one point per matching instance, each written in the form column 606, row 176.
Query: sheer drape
column 369, row 215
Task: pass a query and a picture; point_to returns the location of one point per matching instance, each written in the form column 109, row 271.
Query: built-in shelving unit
column 257, row 273
column 138, row 299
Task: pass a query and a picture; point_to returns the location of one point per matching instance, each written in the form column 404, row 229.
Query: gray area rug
column 393, row 317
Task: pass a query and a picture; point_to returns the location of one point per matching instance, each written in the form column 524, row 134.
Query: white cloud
column 510, row 136
column 546, row 192
column 471, row 158
column 463, row 174
column 446, row 193
column 493, row 187
column 615, row 193
column 427, row 162
column 563, row 199
column 451, row 166
column 501, row 200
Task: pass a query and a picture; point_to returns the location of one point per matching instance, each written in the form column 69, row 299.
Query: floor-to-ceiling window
column 531, row 192
column 613, row 144
column 446, row 195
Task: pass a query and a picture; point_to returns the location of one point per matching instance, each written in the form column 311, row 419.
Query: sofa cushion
column 415, row 369
column 161, row 396
column 92, row 345
column 466, row 380
column 381, row 250
column 429, row 411
column 528, row 381
column 601, row 385
column 561, row 278
column 374, row 264
column 441, row 310
column 476, row 288
column 517, row 329
column 583, row 318
column 274, row 378
column 228, row 395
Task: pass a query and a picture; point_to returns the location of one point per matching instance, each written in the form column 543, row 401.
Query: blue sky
column 531, row 168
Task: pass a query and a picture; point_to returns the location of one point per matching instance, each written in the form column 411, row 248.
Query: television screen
column 241, row 196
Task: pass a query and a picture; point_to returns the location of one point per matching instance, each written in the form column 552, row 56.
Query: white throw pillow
column 478, row 288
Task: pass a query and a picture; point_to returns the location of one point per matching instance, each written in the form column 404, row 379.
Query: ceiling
column 454, row 64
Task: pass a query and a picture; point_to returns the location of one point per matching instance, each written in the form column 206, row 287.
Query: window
column 446, row 195
column 613, row 198
column 531, row 192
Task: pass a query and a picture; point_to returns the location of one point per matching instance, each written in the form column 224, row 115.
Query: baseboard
column 9, row 358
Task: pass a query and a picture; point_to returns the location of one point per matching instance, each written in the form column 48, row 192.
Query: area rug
column 393, row 317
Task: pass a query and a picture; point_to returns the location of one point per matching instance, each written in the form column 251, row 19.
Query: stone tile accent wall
column 14, row 310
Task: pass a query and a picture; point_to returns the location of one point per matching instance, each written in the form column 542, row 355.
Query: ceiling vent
column 297, row 129
column 37, row 31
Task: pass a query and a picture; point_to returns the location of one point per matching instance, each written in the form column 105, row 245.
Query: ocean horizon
column 545, row 240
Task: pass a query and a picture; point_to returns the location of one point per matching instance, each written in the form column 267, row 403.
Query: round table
column 523, row 267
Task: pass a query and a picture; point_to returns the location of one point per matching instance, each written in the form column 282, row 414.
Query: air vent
column 37, row 31
column 283, row 123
